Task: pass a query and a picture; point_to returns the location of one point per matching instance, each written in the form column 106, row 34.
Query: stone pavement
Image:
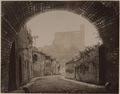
column 58, row 84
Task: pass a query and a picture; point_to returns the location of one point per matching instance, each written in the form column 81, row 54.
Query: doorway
column 20, row 69
column 102, row 65
column 12, row 69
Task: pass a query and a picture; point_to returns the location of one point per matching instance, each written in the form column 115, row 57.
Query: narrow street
column 59, row 84
column 42, row 39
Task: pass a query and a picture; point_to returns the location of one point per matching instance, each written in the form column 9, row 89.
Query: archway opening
column 64, row 35
column 44, row 26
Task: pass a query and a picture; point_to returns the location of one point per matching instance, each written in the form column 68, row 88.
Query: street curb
column 83, row 83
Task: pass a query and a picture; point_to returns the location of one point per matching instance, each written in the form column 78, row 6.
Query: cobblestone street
column 59, row 84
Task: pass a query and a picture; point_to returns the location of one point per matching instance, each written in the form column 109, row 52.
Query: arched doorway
column 12, row 69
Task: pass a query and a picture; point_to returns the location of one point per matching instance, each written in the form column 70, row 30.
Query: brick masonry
column 105, row 16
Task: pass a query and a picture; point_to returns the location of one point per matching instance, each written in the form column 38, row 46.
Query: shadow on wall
column 12, row 69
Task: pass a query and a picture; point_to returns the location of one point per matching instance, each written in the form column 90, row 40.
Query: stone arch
column 93, row 11
column 104, row 15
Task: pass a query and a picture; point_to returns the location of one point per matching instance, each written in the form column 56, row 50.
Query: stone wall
column 84, row 69
column 88, row 70
column 43, row 64
column 23, row 56
column 48, row 63
column 70, row 70
column 55, row 67
column 38, row 64
column 16, row 46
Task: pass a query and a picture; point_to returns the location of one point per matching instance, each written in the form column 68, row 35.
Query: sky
column 45, row 25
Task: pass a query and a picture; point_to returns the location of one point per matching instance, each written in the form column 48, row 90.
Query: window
column 35, row 58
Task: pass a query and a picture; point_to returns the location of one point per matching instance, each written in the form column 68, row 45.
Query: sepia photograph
column 60, row 47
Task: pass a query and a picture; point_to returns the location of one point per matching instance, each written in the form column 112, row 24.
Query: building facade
column 86, row 67
column 55, row 67
column 20, row 67
column 38, row 62
column 43, row 64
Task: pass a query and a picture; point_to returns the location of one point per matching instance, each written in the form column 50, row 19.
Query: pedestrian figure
column 107, row 85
